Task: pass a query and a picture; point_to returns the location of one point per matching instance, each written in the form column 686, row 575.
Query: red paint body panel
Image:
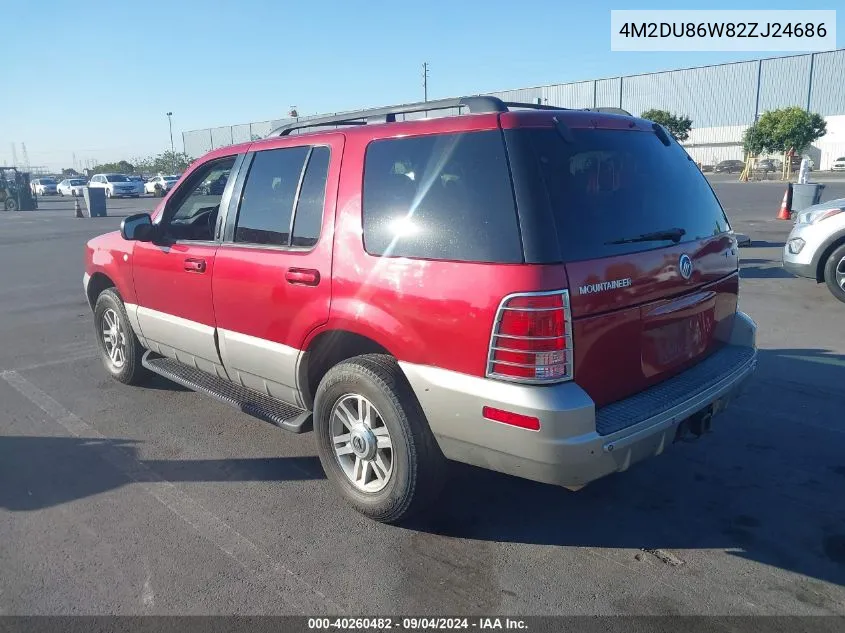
column 441, row 313
column 429, row 312
column 251, row 292
column 163, row 284
column 105, row 254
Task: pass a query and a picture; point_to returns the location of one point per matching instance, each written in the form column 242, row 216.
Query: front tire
column 374, row 441
column 834, row 273
column 119, row 348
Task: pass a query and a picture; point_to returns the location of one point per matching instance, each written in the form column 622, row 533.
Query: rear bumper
column 568, row 450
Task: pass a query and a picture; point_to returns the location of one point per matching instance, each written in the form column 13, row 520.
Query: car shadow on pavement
column 772, row 271
column 766, row 485
column 764, row 244
column 157, row 382
column 40, row 472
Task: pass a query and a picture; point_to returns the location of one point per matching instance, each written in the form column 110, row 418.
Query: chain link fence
column 721, row 100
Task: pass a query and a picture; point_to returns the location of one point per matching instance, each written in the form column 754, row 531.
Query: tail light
column 531, row 340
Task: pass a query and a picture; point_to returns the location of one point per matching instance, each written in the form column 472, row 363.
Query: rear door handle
column 302, row 276
column 194, row 265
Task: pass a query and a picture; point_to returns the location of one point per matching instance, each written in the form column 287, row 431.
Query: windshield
column 607, row 187
column 47, row 181
column 117, row 178
column 76, row 182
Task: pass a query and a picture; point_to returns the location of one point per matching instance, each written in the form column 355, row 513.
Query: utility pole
column 14, row 155
column 172, row 151
column 425, row 81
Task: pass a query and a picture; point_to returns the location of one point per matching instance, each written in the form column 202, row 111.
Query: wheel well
column 329, row 349
column 823, row 259
column 96, row 285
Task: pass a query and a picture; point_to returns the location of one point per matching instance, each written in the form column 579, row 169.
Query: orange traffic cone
column 786, row 205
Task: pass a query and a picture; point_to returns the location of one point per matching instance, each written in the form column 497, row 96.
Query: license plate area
column 677, row 332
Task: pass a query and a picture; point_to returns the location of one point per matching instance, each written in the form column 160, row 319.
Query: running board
column 285, row 416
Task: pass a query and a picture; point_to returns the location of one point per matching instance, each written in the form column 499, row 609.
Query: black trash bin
column 95, row 202
column 806, row 195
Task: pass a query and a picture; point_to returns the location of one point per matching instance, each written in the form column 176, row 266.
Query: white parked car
column 160, row 185
column 71, row 187
column 838, row 164
column 116, row 185
column 44, row 187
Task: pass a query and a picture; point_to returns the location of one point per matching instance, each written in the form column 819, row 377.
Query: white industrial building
column 722, row 101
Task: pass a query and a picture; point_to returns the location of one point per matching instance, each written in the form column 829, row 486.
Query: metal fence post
column 759, row 81
column 810, row 80
column 620, row 92
column 595, row 92
column 210, row 139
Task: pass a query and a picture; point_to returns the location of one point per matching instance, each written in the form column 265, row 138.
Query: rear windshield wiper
column 670, row 234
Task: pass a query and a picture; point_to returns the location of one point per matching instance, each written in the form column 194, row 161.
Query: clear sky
column 96, row 78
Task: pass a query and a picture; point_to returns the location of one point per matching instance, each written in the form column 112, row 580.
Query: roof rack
column 475, row 105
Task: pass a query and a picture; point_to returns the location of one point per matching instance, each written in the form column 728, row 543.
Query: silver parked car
column 816, row 246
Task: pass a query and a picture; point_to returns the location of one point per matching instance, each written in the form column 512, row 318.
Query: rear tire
column 112, row 322
column 834, row 273
column 412, row 471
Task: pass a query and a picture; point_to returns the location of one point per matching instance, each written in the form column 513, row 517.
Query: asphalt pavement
column 158, row 500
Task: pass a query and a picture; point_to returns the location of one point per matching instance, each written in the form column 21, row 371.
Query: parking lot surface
column 125, row 500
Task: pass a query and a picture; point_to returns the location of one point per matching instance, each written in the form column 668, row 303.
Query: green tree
column 678, row 125
column 171, row 162
column 780, row 130
column 69, row 172
column 120, row 167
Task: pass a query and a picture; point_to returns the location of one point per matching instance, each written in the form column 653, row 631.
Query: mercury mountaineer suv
column 543, row 292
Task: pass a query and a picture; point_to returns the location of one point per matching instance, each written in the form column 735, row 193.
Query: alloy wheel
column 114, row 338
column 362, row 444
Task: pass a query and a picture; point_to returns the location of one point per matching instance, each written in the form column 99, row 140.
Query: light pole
column 172, row 151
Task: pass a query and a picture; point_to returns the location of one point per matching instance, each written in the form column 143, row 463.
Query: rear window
column 47, row 181
column 445, row 196
column 117, row 178
column 609, row 185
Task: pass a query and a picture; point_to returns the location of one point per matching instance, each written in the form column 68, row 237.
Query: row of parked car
column 766, row 165
column 115, row 185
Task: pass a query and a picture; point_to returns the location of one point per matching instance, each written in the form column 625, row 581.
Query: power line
column 425, row 81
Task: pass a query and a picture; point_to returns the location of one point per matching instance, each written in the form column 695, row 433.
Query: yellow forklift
column 15, row 191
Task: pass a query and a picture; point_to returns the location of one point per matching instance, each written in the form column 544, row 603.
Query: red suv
column 543, row 292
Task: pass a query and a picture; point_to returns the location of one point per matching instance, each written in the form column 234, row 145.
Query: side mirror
column 138, row 227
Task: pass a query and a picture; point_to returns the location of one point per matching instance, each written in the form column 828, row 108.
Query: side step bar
column 285, row 416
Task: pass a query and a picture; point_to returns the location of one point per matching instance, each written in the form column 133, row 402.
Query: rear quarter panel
column 428, row 312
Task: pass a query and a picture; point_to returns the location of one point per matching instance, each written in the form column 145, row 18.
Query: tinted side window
column 445, row 196
column 608, row 186
column 309, row 209
column 267, row 203
column 192, row 212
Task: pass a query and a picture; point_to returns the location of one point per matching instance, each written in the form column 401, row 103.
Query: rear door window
column 610, row 185
column 308, row 218
column 444, row 196
column 266, row 207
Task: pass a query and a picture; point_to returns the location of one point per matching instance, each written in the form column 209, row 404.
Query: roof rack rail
column 608, row 110
column 475, row 105
column 388, row 114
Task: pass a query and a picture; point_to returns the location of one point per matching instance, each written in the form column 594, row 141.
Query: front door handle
column 195, row 265
column 302, row 276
